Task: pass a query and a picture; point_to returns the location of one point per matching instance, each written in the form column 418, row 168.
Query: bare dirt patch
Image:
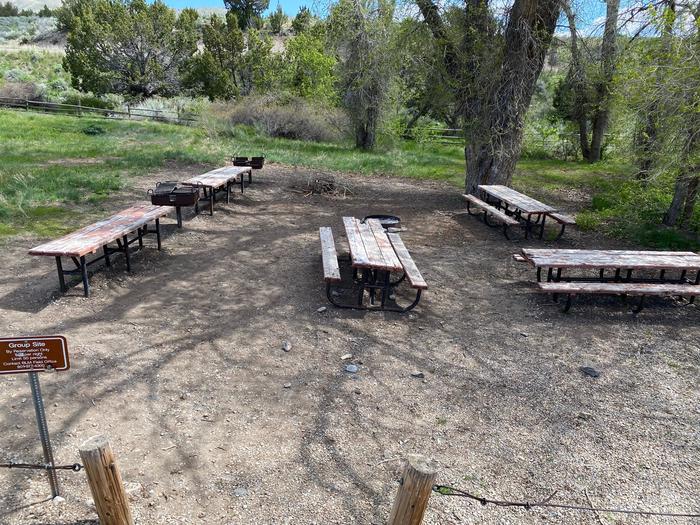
column 181, row 364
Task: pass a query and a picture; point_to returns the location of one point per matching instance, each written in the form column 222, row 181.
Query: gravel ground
column 181, row 364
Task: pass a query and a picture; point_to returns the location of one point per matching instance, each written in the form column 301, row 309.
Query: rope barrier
column 445, row 490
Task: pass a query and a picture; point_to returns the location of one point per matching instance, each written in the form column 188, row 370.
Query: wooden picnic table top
column 516, row 199
column 93, row 237
column 218, row 177
column 630, row 259
column 369, row 245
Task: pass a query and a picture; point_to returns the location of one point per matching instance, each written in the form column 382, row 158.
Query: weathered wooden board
column 494, row 212
column 409, row 266
column 358, row 253
column 620, row 288
column 628, row 259
column 376, row 260
column 562, row 219
column 93, row 237
column 385, row 247
column 218, row 177
column 331, row 270
column 516, row 199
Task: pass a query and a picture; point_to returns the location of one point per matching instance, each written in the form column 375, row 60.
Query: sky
column 291, row 7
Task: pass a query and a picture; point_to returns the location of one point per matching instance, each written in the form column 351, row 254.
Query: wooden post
column 105, row 482
column 414, row 492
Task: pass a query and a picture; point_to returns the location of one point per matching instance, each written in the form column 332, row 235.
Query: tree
column 248, row 12
column 302, row 20
column 8, row 9
column 45, row 12
column 277, row 20
column 494, row 74
column 308, row 70
column 129, row 47
column 214, row 72
column 362, row 32
column 231, row 63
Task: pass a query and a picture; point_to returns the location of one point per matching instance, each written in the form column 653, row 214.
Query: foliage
column 288, row 117
column 248, row 12
column 302, row 21
column 277, row 19
column 363, row 33
column 101, row 57
column 307, row 69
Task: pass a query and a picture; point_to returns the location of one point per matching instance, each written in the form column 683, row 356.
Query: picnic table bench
column 88, row 240
column 375, row 256
column 654, row 280
column 508, row 207
column 220, row 179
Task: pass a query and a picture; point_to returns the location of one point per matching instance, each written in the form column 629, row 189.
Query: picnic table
column 635, row 272
column 217, row 180
column 510, row 208
column 88, row 240
column 375, row 256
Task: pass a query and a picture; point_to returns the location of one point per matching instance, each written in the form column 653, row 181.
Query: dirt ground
column 181, row 364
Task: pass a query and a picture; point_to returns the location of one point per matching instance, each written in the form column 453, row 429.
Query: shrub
column 94, row 129
column 88, row 101
column 291, row 118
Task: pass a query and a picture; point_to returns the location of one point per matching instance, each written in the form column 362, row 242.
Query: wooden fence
column 78, row 110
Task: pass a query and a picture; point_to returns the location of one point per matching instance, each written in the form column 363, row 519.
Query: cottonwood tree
column 495, row 70
column 361, row 30
column 586, row 95
column 129, row 47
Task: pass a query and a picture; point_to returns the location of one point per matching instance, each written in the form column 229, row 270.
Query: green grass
column 54, row 175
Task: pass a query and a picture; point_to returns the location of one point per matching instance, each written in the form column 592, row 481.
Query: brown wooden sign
column 33, row 354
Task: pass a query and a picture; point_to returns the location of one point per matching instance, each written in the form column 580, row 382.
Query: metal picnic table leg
column 140, row 233
column 228, row 192
column 61, row 278
column 84, row 275
column 178, row 214
column 386, row 290
column 125, row 241
column 361, row 295
column 105, row 249
column 158, row 232
column 528, row 225
column 544, row 218
column 242, row 181
column 211, row 201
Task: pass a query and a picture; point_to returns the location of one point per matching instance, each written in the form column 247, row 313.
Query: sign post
column 33, row 355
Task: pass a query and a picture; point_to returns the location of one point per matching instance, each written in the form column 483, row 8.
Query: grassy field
column 55, row 167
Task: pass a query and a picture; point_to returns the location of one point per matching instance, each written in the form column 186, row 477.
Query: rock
column 322, row 309
column 240, row 492
column 345, row 357
column 287, row 385
column 523, row 334
column 418, row 374
column 353, row 369
column 57, row 500
column 589, row 371
column 286, row 346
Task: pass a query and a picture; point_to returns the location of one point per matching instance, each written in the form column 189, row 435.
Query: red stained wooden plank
column 412, row 273
column 621, row 288
column 631, row 259
column 358, row 253
column 218, row 177
column 93, row 237
column 331, row 270
column 387, row 250
column 516, row 199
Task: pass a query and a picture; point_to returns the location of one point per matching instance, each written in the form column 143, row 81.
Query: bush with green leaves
column 277, row 19
column 307, row 68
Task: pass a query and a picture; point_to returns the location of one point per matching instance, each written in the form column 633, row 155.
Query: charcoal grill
column 387, row 221
column 168, row 193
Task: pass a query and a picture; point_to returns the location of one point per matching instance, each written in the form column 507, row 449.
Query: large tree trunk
column 492, row 151
column 601, row 116
column 578, row 81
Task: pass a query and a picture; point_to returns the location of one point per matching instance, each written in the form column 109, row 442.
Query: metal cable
column 451, row 491
column 75, row 467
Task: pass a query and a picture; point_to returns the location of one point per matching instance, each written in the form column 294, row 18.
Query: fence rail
column 78, row 110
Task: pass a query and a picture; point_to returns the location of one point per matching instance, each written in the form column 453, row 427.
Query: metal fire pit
column 387, row 221
column 169, row 194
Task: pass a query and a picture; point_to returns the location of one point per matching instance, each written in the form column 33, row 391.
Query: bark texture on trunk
column 492, row 151
column 601, row 115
